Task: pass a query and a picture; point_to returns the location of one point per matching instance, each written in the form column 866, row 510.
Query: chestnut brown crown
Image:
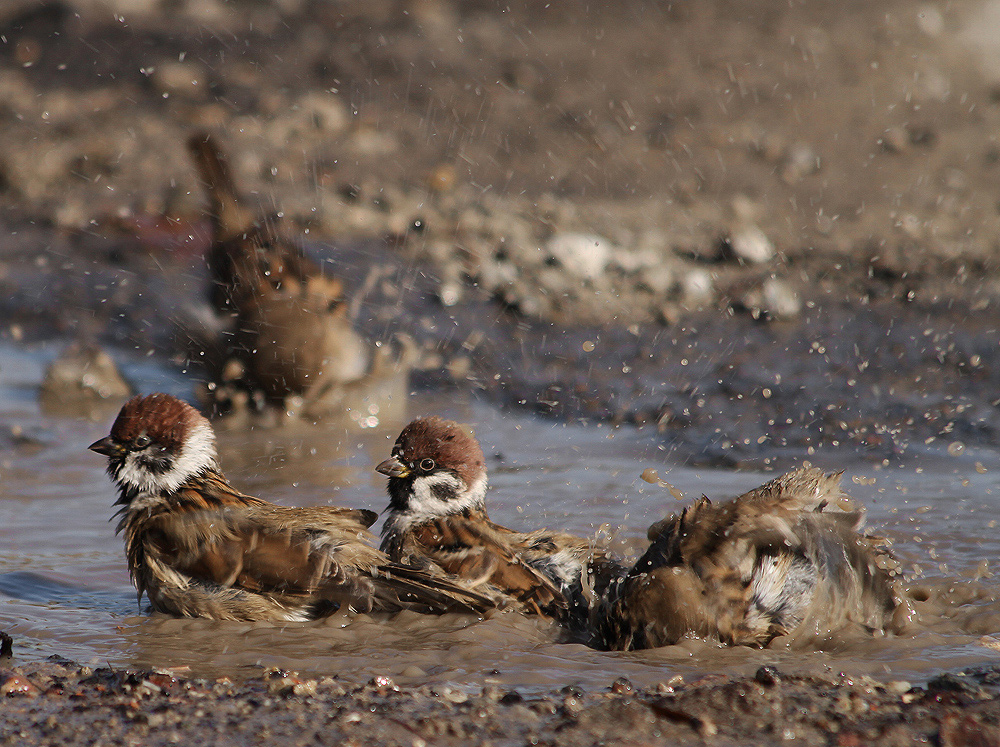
column 436, row 467
column 431, row 443
column 157, row 442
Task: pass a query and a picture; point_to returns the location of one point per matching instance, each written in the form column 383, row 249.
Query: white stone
column 582, row 254
column 751, row 245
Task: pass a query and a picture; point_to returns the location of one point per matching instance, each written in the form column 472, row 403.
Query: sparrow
column 783, row 557
column 197, row 547
column 249, row 257
column 291, row 331
column 437, row 519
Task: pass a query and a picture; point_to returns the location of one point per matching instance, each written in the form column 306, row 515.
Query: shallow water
column 64, row 588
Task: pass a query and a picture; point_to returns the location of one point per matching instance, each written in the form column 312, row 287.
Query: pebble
column 898, row 687
column 697, row 287
column 775, row 299
column 929, row 20
column 658, row 278
column 621, row 686
column 800, row 161
column 581, row 254
column 382, row 681
column 81, row 375
column 174, row 78
column 442, row 178
column 767, row 675
column 896, row 140
column 325, row 111
column 748, row 244
column 453, row 695
column 780, row 299
column 16, row 684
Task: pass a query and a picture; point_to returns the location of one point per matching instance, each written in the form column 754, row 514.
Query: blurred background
column 768, row 217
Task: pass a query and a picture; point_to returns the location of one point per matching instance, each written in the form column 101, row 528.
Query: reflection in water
column 64, row 588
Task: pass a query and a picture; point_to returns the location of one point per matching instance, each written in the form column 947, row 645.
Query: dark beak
column 392, row 467
column 107, row 447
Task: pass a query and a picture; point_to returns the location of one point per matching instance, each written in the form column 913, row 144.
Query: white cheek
column 425, row 500
column 425, row 503
column 195, row 456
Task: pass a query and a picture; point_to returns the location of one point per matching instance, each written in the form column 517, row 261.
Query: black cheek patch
column 157, row 465
column 443, row 492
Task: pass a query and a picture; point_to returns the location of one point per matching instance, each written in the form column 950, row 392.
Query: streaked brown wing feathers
column 481, row 552
column 263, row 548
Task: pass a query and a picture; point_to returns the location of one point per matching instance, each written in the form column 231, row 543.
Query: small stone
column 749, row 245
column 16, row 684
column 930, row 20
column 767, row 675
column 175, row 78
column 382, row 681
column 442, row 178
column 896, row 140
column 659, row 278
column 454, row 695
column 780, row 299
column 582, row 254
column 621, row 686
column 801, row 161
column 325, row 111
column 573, row 691
column 491, row 692
column 80, row 378
column 6, row 648
column 774, row 300
column 697, row 287
column 459, row 367
column 898, row 687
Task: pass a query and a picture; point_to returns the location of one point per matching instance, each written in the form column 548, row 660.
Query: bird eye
column 426, row 465
column 141, row 442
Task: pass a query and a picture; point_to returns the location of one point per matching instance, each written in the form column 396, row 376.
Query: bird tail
column 229, row 216
column 402, row 587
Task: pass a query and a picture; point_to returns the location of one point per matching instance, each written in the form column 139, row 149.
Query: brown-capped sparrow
column 291, row 330
column 197, row 547
column 437, row 519
column 782, row 558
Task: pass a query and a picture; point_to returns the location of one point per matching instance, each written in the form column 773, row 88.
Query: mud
column 62, row 702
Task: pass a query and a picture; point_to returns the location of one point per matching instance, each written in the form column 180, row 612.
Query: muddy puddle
column 64, row 588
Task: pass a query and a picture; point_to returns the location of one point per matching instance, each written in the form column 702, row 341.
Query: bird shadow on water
column 27, row 586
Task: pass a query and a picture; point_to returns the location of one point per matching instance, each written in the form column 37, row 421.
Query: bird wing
column 582, row 567
column 481, row 552
column 269, row 549
column 399, row 586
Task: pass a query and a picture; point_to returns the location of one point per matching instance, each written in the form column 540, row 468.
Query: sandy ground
column 58, row 702
column 709, row 146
